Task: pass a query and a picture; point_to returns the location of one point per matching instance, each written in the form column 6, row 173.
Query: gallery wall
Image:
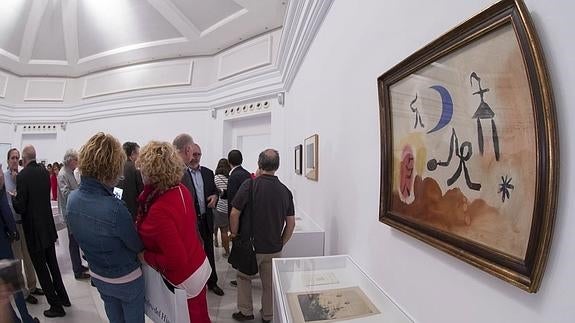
column 335, row 95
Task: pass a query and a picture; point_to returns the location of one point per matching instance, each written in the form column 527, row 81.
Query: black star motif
column 504, row 187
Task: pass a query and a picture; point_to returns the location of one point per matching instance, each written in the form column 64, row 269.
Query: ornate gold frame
column 524, row 273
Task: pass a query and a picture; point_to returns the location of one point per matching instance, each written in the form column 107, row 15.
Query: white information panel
column 329, row 289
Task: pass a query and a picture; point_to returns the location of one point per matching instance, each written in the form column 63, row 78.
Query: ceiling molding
column 70, row 26
column 31, row 30
column 302, row 22
column 132, row 47
column 175, row 17
column 223, row 22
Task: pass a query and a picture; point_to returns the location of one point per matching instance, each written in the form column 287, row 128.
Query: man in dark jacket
column 32, row 201
column 200, row 180
column 238, row 175
column 132, row 181
column 205, row 197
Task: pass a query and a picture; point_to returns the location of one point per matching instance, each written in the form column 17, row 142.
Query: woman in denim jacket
column 105, row 231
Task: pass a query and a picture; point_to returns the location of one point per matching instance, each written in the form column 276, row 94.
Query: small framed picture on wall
column 311, row 157
column 297, row 159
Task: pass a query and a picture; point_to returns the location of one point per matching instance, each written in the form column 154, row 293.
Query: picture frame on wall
column 298, row 159
column 311, row 157
column 469, row 148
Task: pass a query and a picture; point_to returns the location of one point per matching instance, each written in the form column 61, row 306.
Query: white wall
column 335, row 95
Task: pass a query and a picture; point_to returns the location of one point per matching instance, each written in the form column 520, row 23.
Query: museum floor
column 87, row 306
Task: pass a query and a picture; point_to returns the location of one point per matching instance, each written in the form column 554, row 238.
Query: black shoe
column 31, row 299
column 55, row 311
column 239, row 316
column 85, row 269
column 266, row 321
column 82, row 276
column 35, row 320
column 37, row 291
column 217, row 290
column 66, row 303
column 234, row 283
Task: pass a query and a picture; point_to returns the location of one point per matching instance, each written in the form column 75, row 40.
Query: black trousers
column 46, row 266
column 206, row 232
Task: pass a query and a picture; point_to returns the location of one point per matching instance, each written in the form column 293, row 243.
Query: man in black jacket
column 200, row 182
column 131, row 184
column 32, row 201
column 205, row 198
column 238, row 175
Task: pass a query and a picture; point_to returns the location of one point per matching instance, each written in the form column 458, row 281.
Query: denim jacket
column 104, row 229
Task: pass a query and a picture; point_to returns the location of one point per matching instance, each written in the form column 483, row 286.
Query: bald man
column 32, row 201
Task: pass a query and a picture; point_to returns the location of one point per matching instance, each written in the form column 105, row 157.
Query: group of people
column 170, row 208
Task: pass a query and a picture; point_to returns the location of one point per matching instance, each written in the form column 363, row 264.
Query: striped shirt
column 221, row 184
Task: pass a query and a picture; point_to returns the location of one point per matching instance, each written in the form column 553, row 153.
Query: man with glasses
column 200, row 182
column 19, row 247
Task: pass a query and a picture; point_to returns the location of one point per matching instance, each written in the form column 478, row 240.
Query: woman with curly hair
column 104, row 229
column 167, row 225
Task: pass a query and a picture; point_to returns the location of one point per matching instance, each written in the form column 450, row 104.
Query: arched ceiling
column 76, row 37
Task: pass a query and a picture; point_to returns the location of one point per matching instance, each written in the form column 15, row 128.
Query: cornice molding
column 302, row 22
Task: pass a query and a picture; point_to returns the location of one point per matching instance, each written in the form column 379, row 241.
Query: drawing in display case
column 329, row 289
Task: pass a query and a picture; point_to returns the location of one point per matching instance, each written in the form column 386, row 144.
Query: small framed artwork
column 469, row 151
column 311, row 157
column 297, row 159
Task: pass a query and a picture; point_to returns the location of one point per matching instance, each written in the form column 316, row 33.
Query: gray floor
column 87, row 306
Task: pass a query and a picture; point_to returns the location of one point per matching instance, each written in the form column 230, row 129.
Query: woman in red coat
column 167, row 226
column 54, row 180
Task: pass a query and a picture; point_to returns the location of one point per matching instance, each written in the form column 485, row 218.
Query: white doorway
column 250, row 136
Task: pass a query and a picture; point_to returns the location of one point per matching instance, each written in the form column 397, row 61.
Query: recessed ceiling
column 76, row 37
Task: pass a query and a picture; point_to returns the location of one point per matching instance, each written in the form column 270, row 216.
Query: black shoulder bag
column 243, row 254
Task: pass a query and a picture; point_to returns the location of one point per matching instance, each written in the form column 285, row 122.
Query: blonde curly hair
column 161, row 165
column 102, row 157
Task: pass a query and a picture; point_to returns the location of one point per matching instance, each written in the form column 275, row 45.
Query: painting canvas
column 297, row 159
column 468, row 144
column 330, row 305
column 311, row 158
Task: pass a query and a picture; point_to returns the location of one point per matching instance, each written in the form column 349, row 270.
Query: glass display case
column 329, row 289
column 307, row 239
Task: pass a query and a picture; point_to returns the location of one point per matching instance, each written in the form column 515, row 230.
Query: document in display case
column 329, row 289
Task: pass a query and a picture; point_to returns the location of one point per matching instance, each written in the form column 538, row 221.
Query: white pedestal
column 307, row 240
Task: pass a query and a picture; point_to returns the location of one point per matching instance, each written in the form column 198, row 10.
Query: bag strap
column 251, row 213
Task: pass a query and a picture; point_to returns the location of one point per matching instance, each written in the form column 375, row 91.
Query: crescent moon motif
column 446, row 107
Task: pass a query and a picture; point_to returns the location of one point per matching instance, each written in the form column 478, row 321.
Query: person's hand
column 12, row 193
column 212, row 200
column 141, row 258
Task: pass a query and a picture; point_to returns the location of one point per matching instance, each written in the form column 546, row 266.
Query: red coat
column 171, row 241
column 54, row 186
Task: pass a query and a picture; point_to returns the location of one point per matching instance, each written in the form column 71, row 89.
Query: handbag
column 243, row 254
column 164, row 303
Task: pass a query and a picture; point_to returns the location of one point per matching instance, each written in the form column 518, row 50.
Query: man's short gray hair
column 269, row 160
column 182, row 140
column 69, row 156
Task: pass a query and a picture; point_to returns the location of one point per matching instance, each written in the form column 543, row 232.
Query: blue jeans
column 124, row 303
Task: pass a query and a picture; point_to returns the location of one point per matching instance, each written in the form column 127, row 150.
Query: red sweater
column 171, row 241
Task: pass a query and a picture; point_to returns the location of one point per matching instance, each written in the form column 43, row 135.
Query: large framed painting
column 469, row 157
column 311, row 157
